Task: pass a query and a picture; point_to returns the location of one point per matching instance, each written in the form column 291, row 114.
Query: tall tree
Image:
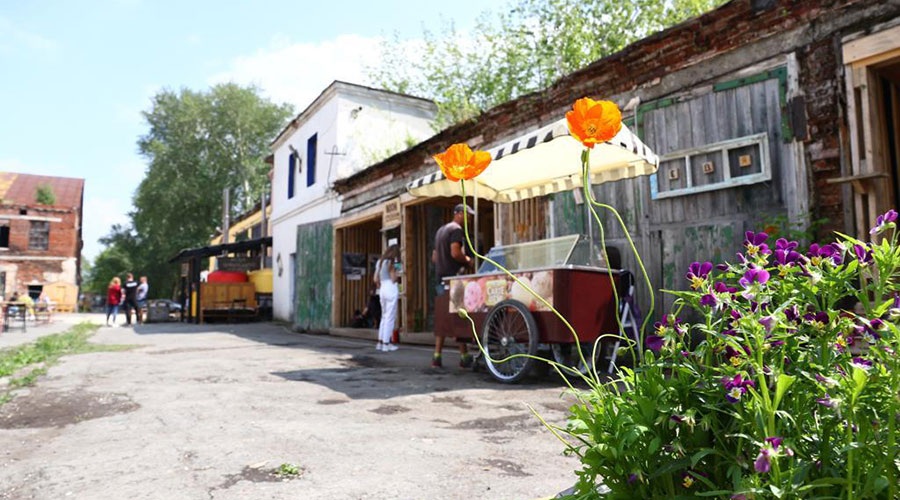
column 198, row 144
column 525, row 48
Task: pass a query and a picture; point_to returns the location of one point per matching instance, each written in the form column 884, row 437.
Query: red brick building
column 40, row 243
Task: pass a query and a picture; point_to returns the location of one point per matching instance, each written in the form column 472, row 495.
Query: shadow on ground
column 363, row 373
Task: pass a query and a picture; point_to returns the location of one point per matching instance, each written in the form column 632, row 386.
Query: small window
column 735, row 162
column 311, row 147
column 4, row 236
column 291, row 161
column 39, row 235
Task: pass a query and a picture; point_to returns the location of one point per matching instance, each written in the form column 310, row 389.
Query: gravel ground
column 205, row 412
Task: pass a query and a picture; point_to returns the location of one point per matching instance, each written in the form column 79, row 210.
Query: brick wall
column 811, row 29
column 24, row 266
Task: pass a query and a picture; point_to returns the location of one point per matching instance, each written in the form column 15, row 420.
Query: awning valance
column 543, row 162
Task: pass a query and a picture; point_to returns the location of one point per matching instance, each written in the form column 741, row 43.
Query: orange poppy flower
column 594, row 122
column 460, row 162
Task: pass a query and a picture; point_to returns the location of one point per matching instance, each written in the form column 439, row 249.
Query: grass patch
column 46, row 351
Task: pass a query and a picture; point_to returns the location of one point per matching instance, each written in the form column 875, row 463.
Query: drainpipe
column 226, row 220
column 263, row 230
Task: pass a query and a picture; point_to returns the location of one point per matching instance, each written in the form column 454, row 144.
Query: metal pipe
column 263, row 230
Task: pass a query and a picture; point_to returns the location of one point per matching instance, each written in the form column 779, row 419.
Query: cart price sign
column 481, row 293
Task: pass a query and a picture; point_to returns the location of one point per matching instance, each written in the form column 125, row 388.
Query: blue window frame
column 311, row 159
column 291, row 164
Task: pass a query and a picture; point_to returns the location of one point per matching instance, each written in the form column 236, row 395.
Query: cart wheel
column 510, row 329
column 567, row 354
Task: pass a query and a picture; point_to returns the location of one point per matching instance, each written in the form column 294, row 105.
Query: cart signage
column 238, row 263
column 480, row 294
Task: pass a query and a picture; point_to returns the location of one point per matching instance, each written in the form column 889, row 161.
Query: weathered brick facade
column 24, row 266
column 694, row 53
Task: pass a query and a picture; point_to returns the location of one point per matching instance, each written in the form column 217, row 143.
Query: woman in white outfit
column 386, row 278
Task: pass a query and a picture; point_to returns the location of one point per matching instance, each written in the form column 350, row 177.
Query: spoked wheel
column 567, row 354
column 509, row 330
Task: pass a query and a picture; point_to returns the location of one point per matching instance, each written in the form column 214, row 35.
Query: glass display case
column 572, row 250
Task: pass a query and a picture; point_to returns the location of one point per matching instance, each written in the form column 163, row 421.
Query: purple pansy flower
column 767, row 323
column 861, row 363
column 654, row 342
column 763, row 462
column 755, row 243
column 827, row 402
column 883, row 220
column 736, row 387
column 721, row 287
column 770, row 449
column 894, row 311
column 816, row 319
column 787, row 246
column 632, row 478
column 830, row 382
column 752, row 281
column 785, row 259
column 863, row 254
column 698, row 273
column 818, row 254
column 708, row 300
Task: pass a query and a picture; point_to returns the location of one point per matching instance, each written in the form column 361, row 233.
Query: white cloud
column 296, row 72
column 12, row 37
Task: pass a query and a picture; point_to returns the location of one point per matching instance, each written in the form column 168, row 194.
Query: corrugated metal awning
column 543, row 162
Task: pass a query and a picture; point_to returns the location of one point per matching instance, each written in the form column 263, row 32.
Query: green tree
column 44, row 195
column 110, row 262
column 525, row 48
column 198, row 144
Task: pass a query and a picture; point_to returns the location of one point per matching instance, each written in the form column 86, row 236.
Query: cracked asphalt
column 207, row 412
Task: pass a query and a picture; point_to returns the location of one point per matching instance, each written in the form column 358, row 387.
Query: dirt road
column 204, row 412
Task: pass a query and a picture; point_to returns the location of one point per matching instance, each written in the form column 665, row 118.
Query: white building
column 344, row 130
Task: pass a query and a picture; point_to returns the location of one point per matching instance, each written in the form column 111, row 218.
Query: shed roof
column 20, row 189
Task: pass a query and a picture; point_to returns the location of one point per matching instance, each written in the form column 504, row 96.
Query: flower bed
column 787, row 387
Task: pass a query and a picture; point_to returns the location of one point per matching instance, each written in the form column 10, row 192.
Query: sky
column 75, row 76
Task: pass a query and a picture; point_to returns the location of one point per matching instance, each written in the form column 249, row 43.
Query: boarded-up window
column 39, row 235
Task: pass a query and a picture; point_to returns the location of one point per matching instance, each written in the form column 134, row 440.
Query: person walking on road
column 113, row 299
column 131, row 287
column 450, row 259
column 386, row 277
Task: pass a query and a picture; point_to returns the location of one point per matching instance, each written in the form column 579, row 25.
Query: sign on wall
column 391, row 215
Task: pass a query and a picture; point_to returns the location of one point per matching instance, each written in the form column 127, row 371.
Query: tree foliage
column 198, row 144
column 525, row 48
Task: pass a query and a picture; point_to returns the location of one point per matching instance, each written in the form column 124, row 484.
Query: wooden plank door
column 313, row 292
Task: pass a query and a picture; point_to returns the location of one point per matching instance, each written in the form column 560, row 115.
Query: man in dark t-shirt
column 449, row 259
column 130, row 286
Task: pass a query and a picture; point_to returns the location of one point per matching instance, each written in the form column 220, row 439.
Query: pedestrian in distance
column 142, row 291
column 389, row 292
column 450, row 259
column 113, row 299
column 131, row 288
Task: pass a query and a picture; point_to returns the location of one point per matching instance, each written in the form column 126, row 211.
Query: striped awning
column 543, row 162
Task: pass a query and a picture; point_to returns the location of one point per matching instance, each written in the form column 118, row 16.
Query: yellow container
column 262, row 279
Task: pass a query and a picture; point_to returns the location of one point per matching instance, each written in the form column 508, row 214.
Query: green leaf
column 654, row 445
column 699, row 456
column 859, row 382
column 778, row 492
column 784, row 382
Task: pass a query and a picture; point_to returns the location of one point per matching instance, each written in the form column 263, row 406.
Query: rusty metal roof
column 20, row 189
